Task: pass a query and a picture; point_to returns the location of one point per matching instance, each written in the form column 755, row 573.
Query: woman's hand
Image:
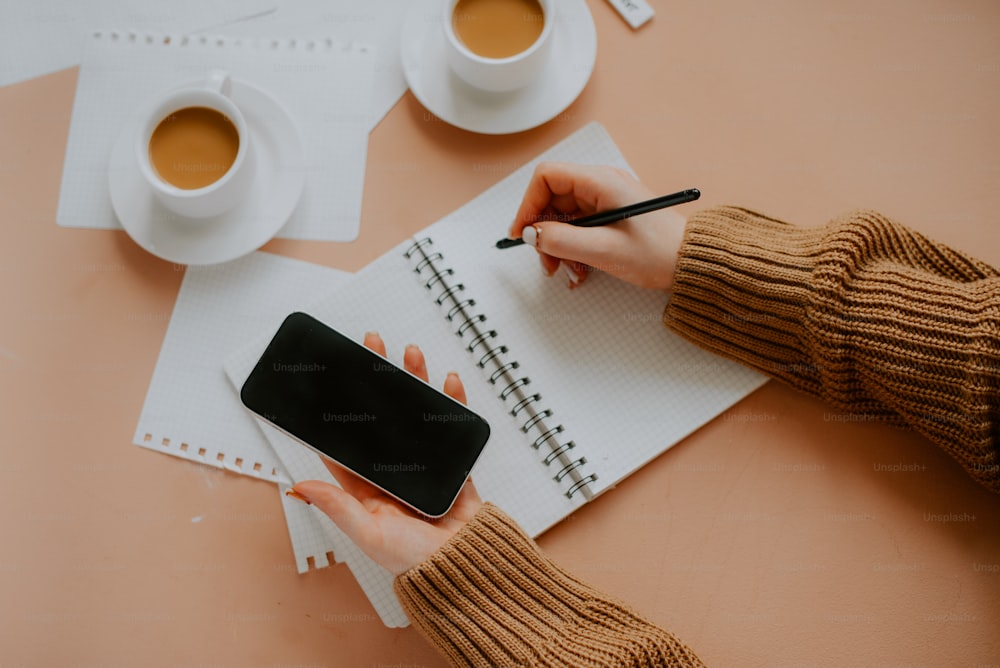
column 390, row 533
column 640, row 251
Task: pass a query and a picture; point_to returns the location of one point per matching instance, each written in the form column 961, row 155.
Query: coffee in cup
column 193, row 149
column 498, row 45
column 497, row 28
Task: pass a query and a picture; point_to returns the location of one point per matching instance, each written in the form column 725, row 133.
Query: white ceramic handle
column 219, row 82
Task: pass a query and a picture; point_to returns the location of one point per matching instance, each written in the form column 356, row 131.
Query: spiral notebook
column 581, row 387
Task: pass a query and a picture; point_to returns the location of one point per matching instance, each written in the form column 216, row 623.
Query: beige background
column 777, row 535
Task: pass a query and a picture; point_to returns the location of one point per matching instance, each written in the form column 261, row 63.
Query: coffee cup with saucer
column 193, row 148
column 501, row 48
column 559, row 76
column 230, row 216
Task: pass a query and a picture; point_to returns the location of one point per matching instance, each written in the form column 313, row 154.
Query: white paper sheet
column 190, row 409
column 376, row 22
column 43, row 36
column 324, row 85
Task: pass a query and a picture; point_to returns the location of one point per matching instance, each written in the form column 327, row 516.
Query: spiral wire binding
column 512, row 387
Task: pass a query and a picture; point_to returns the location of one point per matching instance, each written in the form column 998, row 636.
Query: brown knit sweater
column 862, row 312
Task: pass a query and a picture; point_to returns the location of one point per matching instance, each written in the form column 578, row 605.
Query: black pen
column 621, row 213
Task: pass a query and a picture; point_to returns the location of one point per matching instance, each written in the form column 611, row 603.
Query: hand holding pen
column 561, row 196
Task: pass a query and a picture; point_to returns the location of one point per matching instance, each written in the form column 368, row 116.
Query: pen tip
column 508, row 243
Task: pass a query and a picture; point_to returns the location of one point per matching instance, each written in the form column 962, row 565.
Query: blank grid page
column 623, row 387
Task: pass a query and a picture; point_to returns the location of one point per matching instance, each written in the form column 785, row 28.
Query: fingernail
column 298, row 495
column 530, row 235
column 367, row 334
column 453, row 373
column 574, row 280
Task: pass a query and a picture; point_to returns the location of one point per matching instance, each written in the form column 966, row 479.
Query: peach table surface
column 780, row 534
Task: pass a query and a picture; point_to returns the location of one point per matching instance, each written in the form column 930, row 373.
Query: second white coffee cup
column 474, row 29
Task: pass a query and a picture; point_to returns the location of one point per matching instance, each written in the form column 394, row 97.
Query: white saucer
column 277, row 186
column 574, row 50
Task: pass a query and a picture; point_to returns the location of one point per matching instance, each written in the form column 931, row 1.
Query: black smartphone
column 366, row 414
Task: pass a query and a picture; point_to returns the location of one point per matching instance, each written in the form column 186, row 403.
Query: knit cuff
column 741, row 290
column 871, row 316
column 490, row 597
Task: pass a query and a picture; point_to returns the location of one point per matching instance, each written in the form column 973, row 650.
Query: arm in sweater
column 863, row 312
column 490, row 597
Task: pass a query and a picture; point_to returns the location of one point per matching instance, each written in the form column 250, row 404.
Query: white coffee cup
column 219, row 195
column 498, row 74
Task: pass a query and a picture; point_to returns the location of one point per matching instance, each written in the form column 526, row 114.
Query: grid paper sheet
column 324, row 85
column 314, row 537
column 190, row 410
column 622, row 388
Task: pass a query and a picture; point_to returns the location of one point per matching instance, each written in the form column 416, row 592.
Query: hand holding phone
column 369, row 416
column 390, row 533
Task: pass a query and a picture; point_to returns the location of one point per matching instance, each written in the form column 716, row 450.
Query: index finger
column 564, row 190
column 549, row 190
column 350, row 481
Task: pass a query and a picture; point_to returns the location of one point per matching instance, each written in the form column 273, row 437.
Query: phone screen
column 368, row 415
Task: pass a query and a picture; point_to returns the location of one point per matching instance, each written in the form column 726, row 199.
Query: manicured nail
column 530, row 235
column 298, row 495
column 574, row 279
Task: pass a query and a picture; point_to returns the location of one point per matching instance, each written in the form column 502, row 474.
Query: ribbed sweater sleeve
column 876, row 319
column 490, row 597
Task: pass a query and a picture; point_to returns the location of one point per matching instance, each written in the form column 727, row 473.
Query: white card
column 635, row 12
